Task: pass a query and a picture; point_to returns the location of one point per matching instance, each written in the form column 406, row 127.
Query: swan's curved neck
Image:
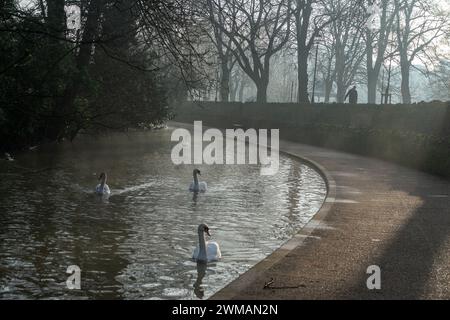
column 103, row 181
column 202, row 246
column 195, row 178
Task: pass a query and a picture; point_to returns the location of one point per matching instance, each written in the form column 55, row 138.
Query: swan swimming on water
column 102, row 188
column 195, row 185
column 8, row 157
column 206, row 251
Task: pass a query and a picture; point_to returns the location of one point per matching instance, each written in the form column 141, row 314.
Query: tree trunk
column 261, row 90
column 340, row 92
column 372, row 75
column 82, row 61
column 340, row 82
column 56, row 17
column 56, row 26
column 328, row 82
column 242, row 86
column 328, row 88
column 372, row 78
column 224, row 82
column 406, row 93
column 233, row 90
column 234, row 84
column 302, row 60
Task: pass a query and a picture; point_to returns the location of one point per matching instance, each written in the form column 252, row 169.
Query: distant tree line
column 356, row 40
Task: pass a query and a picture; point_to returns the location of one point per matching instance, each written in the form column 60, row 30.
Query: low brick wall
column 415, row 135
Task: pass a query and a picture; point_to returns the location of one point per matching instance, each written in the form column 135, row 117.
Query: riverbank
column 381, row 214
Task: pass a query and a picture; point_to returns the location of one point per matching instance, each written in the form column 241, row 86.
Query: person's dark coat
column 352, row 95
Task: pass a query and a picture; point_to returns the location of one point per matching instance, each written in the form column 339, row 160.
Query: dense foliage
column 111, row 73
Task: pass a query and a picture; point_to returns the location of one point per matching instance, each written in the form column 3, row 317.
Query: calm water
column 138, row 244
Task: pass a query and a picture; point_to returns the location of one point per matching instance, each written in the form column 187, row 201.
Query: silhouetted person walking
column 352, row 95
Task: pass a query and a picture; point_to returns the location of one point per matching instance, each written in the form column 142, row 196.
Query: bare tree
column 238, row 83
column 347, row 38
column 418, row 25
column 377, row 40
column 326, row 64
column 257, row 29
column 309, row 22
column 440, row 80
column 224, row 50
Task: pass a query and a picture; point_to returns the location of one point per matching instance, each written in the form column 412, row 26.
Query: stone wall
column 415, row 135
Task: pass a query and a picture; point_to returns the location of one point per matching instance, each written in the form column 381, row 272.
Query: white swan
column 206, row 251
column 102, row 188
column 8, row 157
column 197, row 186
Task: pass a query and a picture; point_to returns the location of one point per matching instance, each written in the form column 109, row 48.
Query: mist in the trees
column 88, row 66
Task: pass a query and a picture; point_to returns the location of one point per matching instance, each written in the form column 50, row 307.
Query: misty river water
column 138, row 243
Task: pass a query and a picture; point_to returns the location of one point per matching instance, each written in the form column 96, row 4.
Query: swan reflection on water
column 199, row 291
column 195, row 197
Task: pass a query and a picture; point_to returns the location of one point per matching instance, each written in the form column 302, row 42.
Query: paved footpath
column 377, row 213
